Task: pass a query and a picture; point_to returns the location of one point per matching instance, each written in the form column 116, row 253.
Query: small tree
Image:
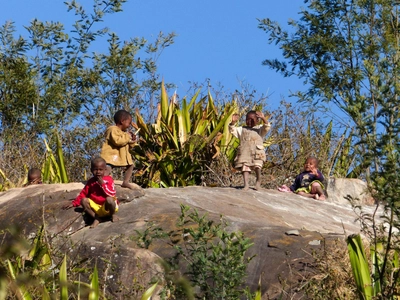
column 347, row 51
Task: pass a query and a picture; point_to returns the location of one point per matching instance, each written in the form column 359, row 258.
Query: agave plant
column 185, row 137
column 53, row 170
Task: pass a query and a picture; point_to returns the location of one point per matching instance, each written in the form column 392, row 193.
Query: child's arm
column 261, row 116
column 75, row 203
column 234, row 130
column 267, row 125
column 296, row 184
column 235, row 118
column 120, row 138
column 108, row 186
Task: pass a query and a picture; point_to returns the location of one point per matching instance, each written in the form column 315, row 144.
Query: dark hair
column 121, row 115
column 96, row 160
column 251, row 112
column 34, row 171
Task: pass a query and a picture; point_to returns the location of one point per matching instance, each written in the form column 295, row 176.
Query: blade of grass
column 61, row 162
column 147, row 294
column 359, row 265
column 94, row 285
column 63, row 280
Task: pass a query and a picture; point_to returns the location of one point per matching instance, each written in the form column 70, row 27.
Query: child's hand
column 67, row 206
column 133, row 137
column 235, row 118
column 100, row 180
column 261, row 116
column 314, row 171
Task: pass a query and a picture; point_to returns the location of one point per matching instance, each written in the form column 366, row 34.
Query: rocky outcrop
column 284, row 227
column 339, row 189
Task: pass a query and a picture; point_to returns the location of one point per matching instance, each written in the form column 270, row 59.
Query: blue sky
column 218, row 40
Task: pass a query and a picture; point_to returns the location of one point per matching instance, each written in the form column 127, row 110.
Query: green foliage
column 175, row 150
column 215, row 258
column 50, row 79
column 29, row 271
column 359, row 264
column 145, row 238
column 54, row 170
column 348, row 54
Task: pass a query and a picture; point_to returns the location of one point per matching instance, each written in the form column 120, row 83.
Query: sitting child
column 251, row 153
column 98, row 196
column 308, row 183
column 34, row 177
column 116, row 147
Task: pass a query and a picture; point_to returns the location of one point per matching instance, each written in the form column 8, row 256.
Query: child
column 34, row 177
column 98, row 196
column 309, row 182
column 115, row 149
column 251, row 153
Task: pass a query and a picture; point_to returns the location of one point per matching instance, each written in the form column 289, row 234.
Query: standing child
column 118, row 142
column 251, row 153
column 308, row 183
column 98, row 195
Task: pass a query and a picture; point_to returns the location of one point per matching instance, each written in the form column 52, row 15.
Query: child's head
column 98, row 166
column 311, row 163
column 123, row 119
column 251, row 118
column 34, row 176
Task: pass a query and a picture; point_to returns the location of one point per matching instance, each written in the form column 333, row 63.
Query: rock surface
column 339, row 188
column 284, row 227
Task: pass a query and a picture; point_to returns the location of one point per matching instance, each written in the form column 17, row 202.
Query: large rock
column 339, row 189
column 267, row 217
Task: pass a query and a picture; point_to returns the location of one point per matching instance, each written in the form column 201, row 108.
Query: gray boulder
column 339, row 189
column 270, row 218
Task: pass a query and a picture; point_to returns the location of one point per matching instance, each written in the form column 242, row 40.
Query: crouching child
column 98, row 197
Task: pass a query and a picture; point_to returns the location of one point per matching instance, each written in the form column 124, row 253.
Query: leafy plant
column 358, row 71
column 54, row 170
column 28, row 271
column 214, row 258
column 360, row 267
column 175, row 150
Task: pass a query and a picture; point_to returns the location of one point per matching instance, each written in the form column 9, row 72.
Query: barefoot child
column 309, row 182
column 98, row 196
column 115, row 149
column 251, row 153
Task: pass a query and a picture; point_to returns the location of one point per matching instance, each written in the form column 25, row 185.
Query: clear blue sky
column 218, row 40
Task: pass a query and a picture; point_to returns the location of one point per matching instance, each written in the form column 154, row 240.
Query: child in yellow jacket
column 119, row 140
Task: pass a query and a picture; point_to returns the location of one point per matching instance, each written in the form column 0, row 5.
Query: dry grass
column 331, row 276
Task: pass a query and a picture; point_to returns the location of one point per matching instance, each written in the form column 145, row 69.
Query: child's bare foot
column 114, row 218
column 246, row 188
column 128, row 185
column 95, row 223
column 321, row 197
column 258, row 186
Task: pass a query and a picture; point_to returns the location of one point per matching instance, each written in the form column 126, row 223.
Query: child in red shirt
column 98, row 196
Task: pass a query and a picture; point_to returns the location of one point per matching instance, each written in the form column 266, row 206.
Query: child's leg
column 86, row 207
column 110, row 206
column 127, row 177
column 317, row 191
column 258, row 178
column 246, row 180
column 304, row 194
